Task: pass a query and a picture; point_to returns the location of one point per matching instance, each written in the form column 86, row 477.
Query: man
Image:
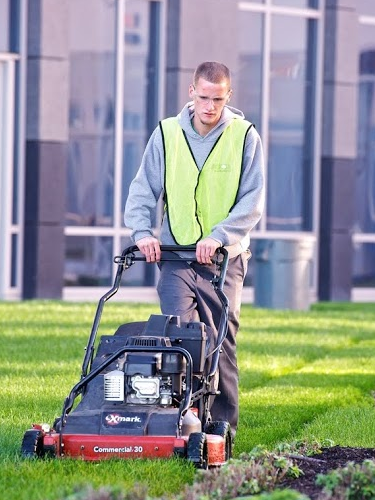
column 208, row 164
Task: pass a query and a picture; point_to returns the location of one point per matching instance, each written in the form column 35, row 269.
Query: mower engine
column 147, row 378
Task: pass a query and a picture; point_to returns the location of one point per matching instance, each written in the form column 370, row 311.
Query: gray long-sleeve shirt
column 148, row 185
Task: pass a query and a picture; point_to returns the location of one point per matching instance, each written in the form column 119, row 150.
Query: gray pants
column 185, row 290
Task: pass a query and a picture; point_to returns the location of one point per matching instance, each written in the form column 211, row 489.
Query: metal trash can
column 282, row 273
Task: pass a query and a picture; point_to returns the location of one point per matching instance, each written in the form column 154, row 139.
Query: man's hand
column 206, row 249
column 150, row 247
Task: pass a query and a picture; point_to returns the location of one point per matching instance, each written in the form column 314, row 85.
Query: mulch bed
column 330, row 458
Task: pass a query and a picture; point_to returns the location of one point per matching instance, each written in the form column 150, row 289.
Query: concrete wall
column 339, row 150
column 46, row 148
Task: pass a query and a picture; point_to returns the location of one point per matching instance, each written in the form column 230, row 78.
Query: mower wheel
column 32, row 444
column 57, row 425
column 197, row 450
column 221, row 428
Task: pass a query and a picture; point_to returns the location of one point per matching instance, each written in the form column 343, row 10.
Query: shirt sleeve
column 145, row 190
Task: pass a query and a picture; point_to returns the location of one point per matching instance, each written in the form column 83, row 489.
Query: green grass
column 303, row 375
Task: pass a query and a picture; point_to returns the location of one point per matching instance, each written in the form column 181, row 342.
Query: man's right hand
column 150, row 247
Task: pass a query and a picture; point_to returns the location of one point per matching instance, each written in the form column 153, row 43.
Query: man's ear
column 191, row 91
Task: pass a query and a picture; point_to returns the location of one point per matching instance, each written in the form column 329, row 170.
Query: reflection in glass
column 248, row 83
column 291, row 131
column 88, row 261
column 91, row 114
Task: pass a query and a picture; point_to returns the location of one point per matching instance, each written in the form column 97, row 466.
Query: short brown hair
column 213, row 72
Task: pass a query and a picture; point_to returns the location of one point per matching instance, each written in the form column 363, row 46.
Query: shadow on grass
column 308, row 351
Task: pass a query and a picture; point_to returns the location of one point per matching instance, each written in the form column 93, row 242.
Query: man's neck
column 200, row 128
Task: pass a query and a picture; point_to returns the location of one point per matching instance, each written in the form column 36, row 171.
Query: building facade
column 84, row 82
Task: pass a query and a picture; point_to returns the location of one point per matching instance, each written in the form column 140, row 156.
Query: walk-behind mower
column 145, row 391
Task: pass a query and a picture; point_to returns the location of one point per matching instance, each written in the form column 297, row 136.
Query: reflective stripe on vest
column 198, row 200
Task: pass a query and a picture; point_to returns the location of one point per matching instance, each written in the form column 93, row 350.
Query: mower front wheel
column 32, row 444
column 221, row 428
column 197, row 450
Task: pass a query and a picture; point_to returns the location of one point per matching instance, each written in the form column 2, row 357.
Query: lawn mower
column 146, row 390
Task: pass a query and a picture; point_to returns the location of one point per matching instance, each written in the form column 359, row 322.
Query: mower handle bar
column 127, row 259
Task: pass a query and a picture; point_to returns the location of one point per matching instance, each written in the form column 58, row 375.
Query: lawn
column 303, row 375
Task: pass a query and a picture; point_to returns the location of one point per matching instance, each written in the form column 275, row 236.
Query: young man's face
column 209, row 101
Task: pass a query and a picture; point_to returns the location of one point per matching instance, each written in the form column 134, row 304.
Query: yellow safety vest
column 198, row 200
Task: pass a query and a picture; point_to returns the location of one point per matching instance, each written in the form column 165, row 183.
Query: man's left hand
column 206, row 249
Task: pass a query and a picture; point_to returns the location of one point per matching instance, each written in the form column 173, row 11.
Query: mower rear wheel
column 197, row 450
column 221, row 428
column 32, row 444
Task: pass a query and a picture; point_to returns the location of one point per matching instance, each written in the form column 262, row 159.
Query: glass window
column 91, row 193
column 365, row 178
column 363, row 265
column 365, row 7
column 364, row 253
column 141, row 273
column 15, row 14
column 91, row 113
column 7, row 167
column 141, row 83
column 291, row 131
column 4, row 25
column 312, row 4
column 89, row 261
column 3, row 111
column 248, row 84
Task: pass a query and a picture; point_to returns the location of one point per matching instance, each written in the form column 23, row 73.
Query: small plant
column 304, row 447
column 259, row 471
column 352, row 482
column 254, row 473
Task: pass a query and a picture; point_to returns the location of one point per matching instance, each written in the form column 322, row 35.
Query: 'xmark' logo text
column 115, row 419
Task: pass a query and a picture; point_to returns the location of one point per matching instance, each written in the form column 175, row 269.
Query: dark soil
column 330, row 459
